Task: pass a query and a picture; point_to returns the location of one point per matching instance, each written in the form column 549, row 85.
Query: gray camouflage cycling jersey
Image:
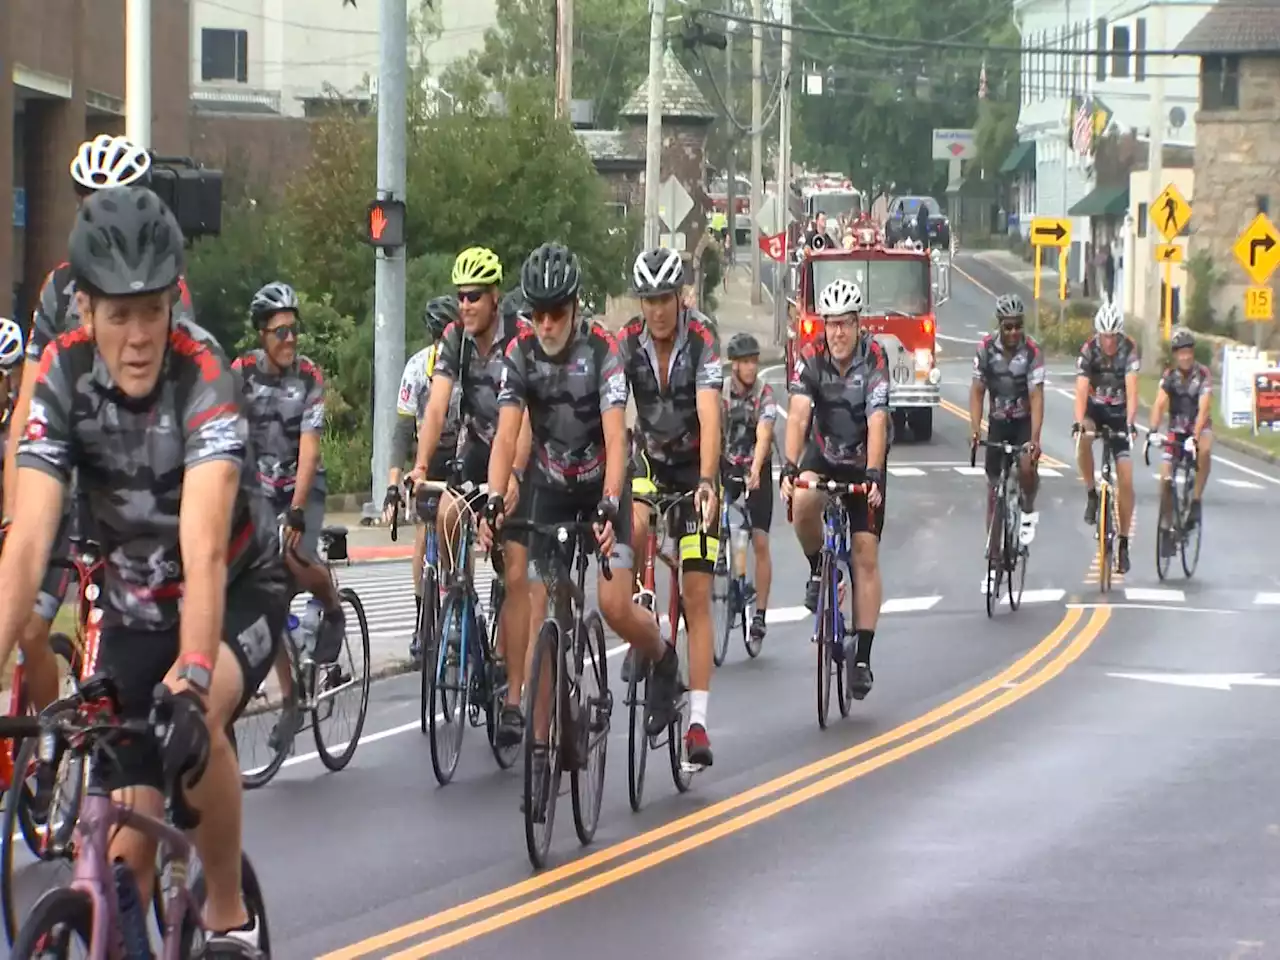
column 668, row 418
column 478, row 383
column 132, row 456
column 743, row 411
column 1185, row 391
column 281, row 407
column 415, row 390
column 842, row 401
column 1009, row 377
column 1106, row 373
column 565, row 398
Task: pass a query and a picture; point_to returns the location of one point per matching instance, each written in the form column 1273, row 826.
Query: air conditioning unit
column 582, row 114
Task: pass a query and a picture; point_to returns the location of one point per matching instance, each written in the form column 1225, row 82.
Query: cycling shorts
column 649, row 480
column 759, row 501
column 253, row 623
column 862, row 517
column 553, row 505
column 1117, row 419
column 1016, row 431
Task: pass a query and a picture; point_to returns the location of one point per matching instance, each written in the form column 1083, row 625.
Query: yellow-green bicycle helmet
column 477, row 267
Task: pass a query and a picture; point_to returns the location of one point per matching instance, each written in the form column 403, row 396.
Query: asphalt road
column 1086, row 777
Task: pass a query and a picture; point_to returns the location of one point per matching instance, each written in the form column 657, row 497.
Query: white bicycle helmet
column 657, row 272
column 10, row 345
column 838, row 298
column 1108, row 319
column 109, row 162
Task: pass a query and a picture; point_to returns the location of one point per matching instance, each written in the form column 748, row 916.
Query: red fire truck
column 898, row 292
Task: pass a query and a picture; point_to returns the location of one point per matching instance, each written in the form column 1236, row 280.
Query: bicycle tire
column 1190, row 557
column 1163, row 563
column 637, row 738
column 537, row 836
column 331, row 759
column 844, row 692
column 60, row 908
column 681, row 775
column 1015, row 553
column 260, row 777
column 505, row 757
column 449, row 696
column 250, row 891
column 587, row 784
column 993, row 566
column 824, row 641
column 428, row 619
column 724, row 595
column 1104, row 537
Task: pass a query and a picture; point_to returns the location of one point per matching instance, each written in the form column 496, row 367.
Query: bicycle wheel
column 753, row 645
column 595, row 705
column 824, row 639
column 1104, row 537
column 341, row 682
column 681, row 771
column 542, row 761
column 844, row 693
column 1165, row 560
column 1189, row 546
column 425, row 631
column 505, row 756
column 450, row 687
column 725, row 600
column 637, row 739
column 1015, row 554
column 254, row 730
column 994, row 567
column 61, row 917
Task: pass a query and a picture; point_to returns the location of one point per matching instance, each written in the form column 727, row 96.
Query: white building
column 273, row 56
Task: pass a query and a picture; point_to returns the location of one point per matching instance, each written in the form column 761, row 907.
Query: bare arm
column 400, row 440
column 1158, row 408
column 614, row 422
column 17, row 427
column 433, row 421
column 1082, row 398
column 204, row 532
column 708, row 402
column 524, row 445
column 308, row 466
column 877, row 439
column 798, row 413
column 977, row 394
column 1131, row 398
column 26, row 549
column 764, row 440
column 502, row 455
column 1036, row 397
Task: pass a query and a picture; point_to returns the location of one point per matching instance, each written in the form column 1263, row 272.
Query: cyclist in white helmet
column 838, row 429
column 10, row 364
column 1107, row 396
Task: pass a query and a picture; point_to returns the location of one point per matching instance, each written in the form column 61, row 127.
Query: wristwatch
column 197, row 673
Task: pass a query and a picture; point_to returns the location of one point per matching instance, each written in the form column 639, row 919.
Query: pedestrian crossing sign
column 1171, row 212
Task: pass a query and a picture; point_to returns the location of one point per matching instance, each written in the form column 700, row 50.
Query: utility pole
column 1064, row 261
column 388, row 277
column 757, row 142
column 137, row 74
column 784, row 171
column 653, row 134
column 731, row 191
column 1153, row 328
column 564, row 56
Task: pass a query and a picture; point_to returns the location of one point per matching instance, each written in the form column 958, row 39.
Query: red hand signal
column 377, row 223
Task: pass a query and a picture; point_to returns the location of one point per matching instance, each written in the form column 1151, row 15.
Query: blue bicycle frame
column 835, row 544
column 467, row 613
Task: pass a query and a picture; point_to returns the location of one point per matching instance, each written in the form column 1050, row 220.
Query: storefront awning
column 1102, row 202
column 1021, row 159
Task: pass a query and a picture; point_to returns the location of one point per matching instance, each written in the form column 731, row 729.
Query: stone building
column 1237, row 153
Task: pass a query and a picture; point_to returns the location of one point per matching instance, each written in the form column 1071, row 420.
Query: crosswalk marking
column 905, row 472
column 1242, row 484
column 909, row 604
column 1040, row 596
column 971, row 471
column 1267, row 599
column 1152, row 595
column 1050, row 472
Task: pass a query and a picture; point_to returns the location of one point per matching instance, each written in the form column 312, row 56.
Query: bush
column 1064, row 335
column 712, row 275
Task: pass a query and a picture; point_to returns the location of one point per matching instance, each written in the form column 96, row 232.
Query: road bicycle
column 830, row 628
column 1176, row 534
column 315, row 684
column 101, row 908
column 424, row 630
column 567, row 703
column 732, row 593
column 1108, row 522
column 1006, row 556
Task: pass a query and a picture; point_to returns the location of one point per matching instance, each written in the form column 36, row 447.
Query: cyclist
column 1107, row 395
column 11, row 354
column 1186, row 392
column 672, row 359
column 566, row 372
column 411, row 405
column 749, row 417
column 148, row 409
column 283, row 394
column 838, row 428
column 471, row 356
column 1010, row 367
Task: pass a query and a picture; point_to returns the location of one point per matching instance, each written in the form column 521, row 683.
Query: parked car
column 901, row 223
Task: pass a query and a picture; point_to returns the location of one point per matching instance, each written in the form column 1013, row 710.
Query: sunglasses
column 472, row 296
column 1011, row 325
column 284, row 332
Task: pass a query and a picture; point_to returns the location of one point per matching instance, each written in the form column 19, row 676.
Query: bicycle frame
column 1106, row 504
column 660, row 510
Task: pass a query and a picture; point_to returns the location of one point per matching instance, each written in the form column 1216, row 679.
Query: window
column 1142, row 220
column 1101, row 44
column 898, row 285
column 1219, row 83
column 1119, row 51
column 1139, row 49
column 224, row 55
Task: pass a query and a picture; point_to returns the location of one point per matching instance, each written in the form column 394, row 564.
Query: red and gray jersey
column 1009, row 376
column 460, row 360
column 842, row 400
column 1184, row 391
column 565, row 398
column 743, row 410
column 1106, row 373
column 132, row 456
column 281, row 407
column 668, row 417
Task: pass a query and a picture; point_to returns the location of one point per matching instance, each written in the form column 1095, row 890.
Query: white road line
column 1241, row 484
column 905, row 472
column 968, row 471
column 1040, row 596
column 1270, row 599
column 1064, row 392
column 786, row 615
column 1146, row 606
column 1151, row 595
column 1050, row 472
column 909, row 604
column 943, row 336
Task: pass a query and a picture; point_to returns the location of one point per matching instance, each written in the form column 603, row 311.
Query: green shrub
column 1060, row 334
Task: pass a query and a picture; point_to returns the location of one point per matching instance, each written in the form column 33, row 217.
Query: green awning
column 1102, row 202
column 1021, row 159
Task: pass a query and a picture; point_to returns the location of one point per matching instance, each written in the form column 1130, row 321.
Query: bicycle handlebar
column 832, row 487
column 562, row 532
column 1189, row 445
column 1004, row 445
column 438, row 486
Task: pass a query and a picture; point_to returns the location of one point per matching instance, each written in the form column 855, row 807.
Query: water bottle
column 309, row 626
column 740, row 540
column 133, row 925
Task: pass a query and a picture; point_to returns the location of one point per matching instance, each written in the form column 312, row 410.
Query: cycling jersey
column 743, row 411
column 132, row 456
column 842, row 401
column 478, row 381
column 1007, row 376
column 281, row 407
column 1106, row 373
column 415, row 389
column 565, row 397
column 1184, row 392
column 668, row 417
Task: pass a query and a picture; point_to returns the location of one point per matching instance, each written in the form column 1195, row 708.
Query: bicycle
column 733, row 594
column 466, row 675
column 639, row 740
column 1181, row 536
column 573, row 704
column 429, row 577
column 101, row 906
column 1006, row 556
column 1108, row 522
column 314, row 686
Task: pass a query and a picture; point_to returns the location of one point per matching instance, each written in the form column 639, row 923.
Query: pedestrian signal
column 384, row 224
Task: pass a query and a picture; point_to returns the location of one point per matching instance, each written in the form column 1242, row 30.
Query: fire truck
column 899, row 296
column 831, row 194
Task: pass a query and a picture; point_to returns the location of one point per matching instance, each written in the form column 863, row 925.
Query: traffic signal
column 384, row 224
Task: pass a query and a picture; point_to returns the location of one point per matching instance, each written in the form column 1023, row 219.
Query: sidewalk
column 1013, row 267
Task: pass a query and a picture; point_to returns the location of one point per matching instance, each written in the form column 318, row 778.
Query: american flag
column 1082, row 134
column 982, row 82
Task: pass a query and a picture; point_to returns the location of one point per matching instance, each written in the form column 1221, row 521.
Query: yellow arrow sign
column 1169, row 253
column 1050, row 232
column 1258, row 249
column 1170, row 212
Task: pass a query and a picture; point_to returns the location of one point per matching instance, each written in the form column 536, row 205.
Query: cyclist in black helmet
column 1186, row 392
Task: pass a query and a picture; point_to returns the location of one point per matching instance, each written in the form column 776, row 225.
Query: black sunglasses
column 286, row 331
column 1011, row 324
column 471, row 296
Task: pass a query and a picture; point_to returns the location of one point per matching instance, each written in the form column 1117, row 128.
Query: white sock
column 698, row 707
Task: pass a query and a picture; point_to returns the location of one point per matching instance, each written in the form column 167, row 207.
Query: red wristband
column 196, row 659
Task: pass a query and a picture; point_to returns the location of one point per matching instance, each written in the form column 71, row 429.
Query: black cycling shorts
column 1114, row 417
column 650, row 479
column 1017, row 431
column 759, row 500
column 539, row 504
column 253, row 624
column 862, row 518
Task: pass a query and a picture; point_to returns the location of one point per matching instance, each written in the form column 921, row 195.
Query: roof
column 681, row 97
column 1102, row 202
column 1236, row 26
column 609, row 146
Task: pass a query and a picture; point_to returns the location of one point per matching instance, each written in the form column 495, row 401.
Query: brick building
column 62, row 82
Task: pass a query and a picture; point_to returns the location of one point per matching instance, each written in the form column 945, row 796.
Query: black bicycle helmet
column 1009, row 307
column 743, row 345
column 1182, row 339
column 513, row 305
column 440, row 312
column 125, row 241
column 550, row 276
column 274, row 298
column 657, row 272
